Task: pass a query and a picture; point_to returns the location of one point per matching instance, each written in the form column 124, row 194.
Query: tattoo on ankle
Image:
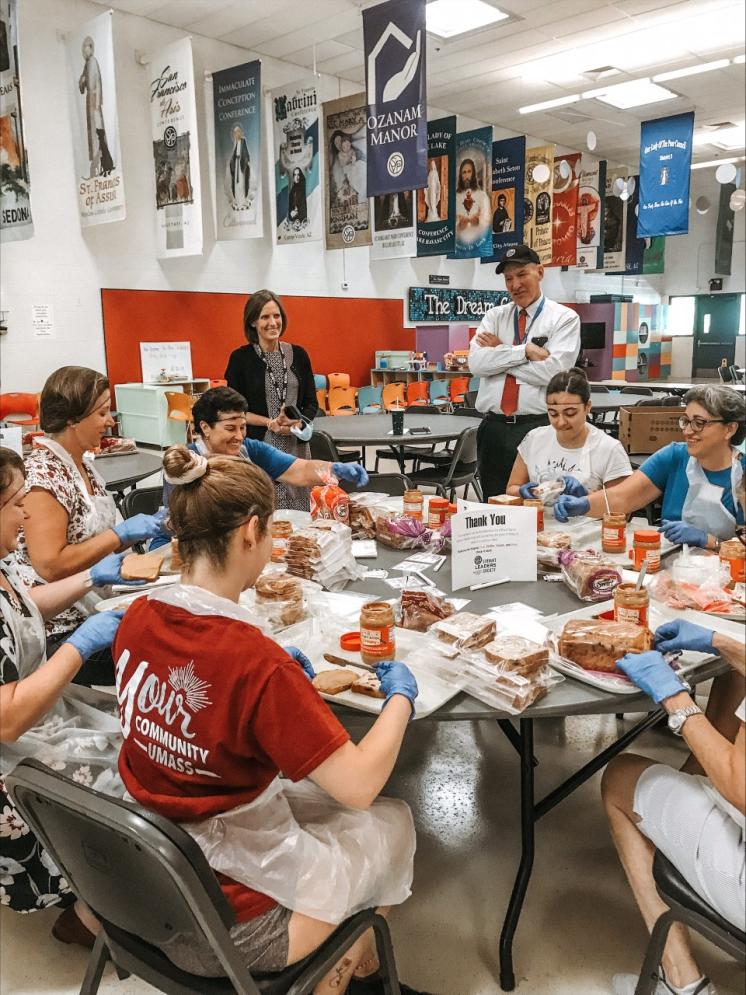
column 340, row 973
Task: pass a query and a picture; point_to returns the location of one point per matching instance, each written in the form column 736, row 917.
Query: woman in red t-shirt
column 212, row 711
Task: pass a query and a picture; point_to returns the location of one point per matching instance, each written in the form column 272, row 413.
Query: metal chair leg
column 386, row 960
column 649, row 971
column 96, row 964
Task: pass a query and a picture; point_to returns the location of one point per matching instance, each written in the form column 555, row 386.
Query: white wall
column 67, row 268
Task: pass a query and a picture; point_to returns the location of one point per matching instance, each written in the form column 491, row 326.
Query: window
column 681, row 316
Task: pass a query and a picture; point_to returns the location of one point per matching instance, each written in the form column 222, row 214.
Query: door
column 716, row 318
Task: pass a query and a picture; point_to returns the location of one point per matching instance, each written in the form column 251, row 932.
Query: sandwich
column 142, row 566
column 595, row 644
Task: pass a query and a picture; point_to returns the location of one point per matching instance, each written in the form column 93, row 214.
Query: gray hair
column 723, row 403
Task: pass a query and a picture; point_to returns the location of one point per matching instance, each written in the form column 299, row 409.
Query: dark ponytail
column 572, row 381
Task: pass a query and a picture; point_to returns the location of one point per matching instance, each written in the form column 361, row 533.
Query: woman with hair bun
column 297, row 854
column 569, row 445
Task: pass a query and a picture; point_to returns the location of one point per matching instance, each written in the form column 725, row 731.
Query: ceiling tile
column 181, row 13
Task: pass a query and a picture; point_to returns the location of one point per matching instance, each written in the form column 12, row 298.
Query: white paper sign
column 490, row 542
column 11, row 437
column 172, row 359
column 42, row 319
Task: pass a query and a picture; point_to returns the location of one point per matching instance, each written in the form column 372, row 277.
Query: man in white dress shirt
column 517, row 350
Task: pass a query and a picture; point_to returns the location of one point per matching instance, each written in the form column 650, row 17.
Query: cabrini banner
column 15, row 200
column 665, row 163
column 565, row 209
column 473, row 188
column 297, row 195
column 615, row 222
column 508, row 172
column 93, row 109
column 347, row 214
column 395, row 80
column 436, row 200
column 173, row 118
column 237, row 115
column 394, row 231
column 537, row 221
column 590, row 213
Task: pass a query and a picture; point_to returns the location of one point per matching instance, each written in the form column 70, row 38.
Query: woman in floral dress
column 71, row 729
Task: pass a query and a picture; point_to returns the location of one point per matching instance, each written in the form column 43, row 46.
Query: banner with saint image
column 436, row 205
column 347, row 213
column 537, row 220
column 589, row 219
column 665, row 167
column 473, row 189
column 295, row 130
column 15, row 197
column 565, row 209
column 615, row 221
column 394, row 225
column 508, row 174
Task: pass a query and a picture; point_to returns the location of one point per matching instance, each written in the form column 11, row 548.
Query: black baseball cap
column 520, row 254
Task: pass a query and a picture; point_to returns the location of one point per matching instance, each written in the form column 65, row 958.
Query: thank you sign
column 491, row 543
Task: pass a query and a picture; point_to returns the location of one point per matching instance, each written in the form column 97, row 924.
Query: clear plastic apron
column 294, row 842
column 703, row 507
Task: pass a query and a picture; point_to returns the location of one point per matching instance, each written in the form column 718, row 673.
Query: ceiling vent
column 572, row 116
column 603, row 72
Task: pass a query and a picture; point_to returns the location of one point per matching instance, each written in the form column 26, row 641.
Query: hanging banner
column 395, row 81
column 508, row 166
column 295, row 129
column 653, row 257
column 724, row 229
column 15, row 202
column 394, row 232
column 634, row 247
column 173, row 118
column 665, row 164
column 615, row 222
column 590, row 213
column 347, row 214
column 93, row 107
column 237, row 115
column 473, row 203
column 564, row 209
column 436, row 207
column 537, row 221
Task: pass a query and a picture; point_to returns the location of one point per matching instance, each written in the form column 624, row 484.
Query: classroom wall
column 66, row 268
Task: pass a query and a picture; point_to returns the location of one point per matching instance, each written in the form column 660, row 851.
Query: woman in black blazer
column 271, row 374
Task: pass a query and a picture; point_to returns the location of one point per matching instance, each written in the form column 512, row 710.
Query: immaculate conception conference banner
column 175, row 151
column 15, row 201
column 297, row 192
column 237, row 103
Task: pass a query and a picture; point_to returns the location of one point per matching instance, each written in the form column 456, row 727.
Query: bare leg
column 726, row 695
column 87, row 917
column 636, row 855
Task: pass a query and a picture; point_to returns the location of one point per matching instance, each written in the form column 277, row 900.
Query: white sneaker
column 625, row 984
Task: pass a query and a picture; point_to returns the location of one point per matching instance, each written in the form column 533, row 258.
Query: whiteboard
column 173, row 357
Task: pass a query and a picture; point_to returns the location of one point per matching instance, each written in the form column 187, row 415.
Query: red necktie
column 509, row 403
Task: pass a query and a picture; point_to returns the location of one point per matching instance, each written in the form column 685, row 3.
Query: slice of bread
column 516, row 654
column 334, row 681
column 368, row 684
column 145, row 566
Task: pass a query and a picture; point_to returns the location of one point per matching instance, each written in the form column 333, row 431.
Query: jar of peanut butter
column 613, row 533
column 646, row 547
column 414, row 504
column 377, row 641
column 631, row 605
column 733, row 555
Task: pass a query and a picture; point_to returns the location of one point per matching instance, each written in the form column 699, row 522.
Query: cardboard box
column 648, row 429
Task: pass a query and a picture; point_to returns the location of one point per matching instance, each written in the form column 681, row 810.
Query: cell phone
column 422, row 430
column 293, row 413
column 540, row 340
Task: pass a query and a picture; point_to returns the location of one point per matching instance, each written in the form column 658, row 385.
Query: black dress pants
column 498, row 439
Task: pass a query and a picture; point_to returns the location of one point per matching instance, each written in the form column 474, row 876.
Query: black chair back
column 599, row 388
column 470, row 398
column 145, row 501
column 323, row 447
column 423, row 409
column 388, row 483
column 465, row 412
column 664, row 401
column 637, row 390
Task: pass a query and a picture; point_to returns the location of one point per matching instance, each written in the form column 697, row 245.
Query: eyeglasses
column 698, row 424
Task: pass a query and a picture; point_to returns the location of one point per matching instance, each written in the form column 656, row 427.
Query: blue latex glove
column 355, row 473
column 141, row 527
column 682, row 635
column 683, row 534
column 303, row 660
column 109, row 571
column 566, row 507
column 397, row 678
column 96, row 633
column 527, row 490
column 573, row 487
column 652, row 674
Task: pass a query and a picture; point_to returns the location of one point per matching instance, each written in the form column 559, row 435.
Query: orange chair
column 321, row 399
column 343, row 401
column 457, row 389
column 180, row 408
column 339, row 380
column 19, row 409
column 394, row 396
column 418, row 393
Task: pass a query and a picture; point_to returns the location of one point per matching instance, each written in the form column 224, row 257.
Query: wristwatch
column 677, row 719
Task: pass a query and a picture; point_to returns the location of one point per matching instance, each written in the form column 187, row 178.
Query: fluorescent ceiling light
column 545, row 106
column 635, row 93
column 739, row 60
column 724, row 138
column 703, row 67
column 448, row 18
column 716, row 162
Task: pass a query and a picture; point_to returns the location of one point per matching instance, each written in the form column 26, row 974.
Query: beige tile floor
column 579, row 925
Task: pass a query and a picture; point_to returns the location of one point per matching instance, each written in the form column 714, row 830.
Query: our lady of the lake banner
column 436, row 206
column 395, row 45
column 508, row 170
column 173, row 118
column 93, row 106
column 347, row 214
column 565, row 209
column 665, row 162
column 537, row 222
column 15, row 202
column 295, row 124
column 473, row 185
column 590, row 213
column 237, row 110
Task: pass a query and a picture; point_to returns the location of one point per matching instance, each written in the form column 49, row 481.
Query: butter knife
column 339, row 661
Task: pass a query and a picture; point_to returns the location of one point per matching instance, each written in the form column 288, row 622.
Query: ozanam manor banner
column 173, row 119
column 15, row 203
column 295, row 118
column 93, row 106
column 237, row 107
column 665, row 162
column 347, row 218
column 395, row 45
column 473, row 204
column 435, row 201
column 508, row 169
column 590, row 213
column 431, row 304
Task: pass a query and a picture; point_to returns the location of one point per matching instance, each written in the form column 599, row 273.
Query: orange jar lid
column 647, row 535
column 438, row 502
column 452, row 509
column 350, row 640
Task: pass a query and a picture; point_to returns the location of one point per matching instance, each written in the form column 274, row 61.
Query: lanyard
column 281, row 394
column 537, row 312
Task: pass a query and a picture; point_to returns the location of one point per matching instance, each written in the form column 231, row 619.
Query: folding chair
column 457, row 389
column 339, row 380
column 418, row 393
column 394, row 395
column 342, row 401
column 462, row 469
column 180, row 409
column 323, row 447
column 383, row 483
column 19, row 409
column 145, row 501
column 439, row 394
column 147, row 881
column 369, row 400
